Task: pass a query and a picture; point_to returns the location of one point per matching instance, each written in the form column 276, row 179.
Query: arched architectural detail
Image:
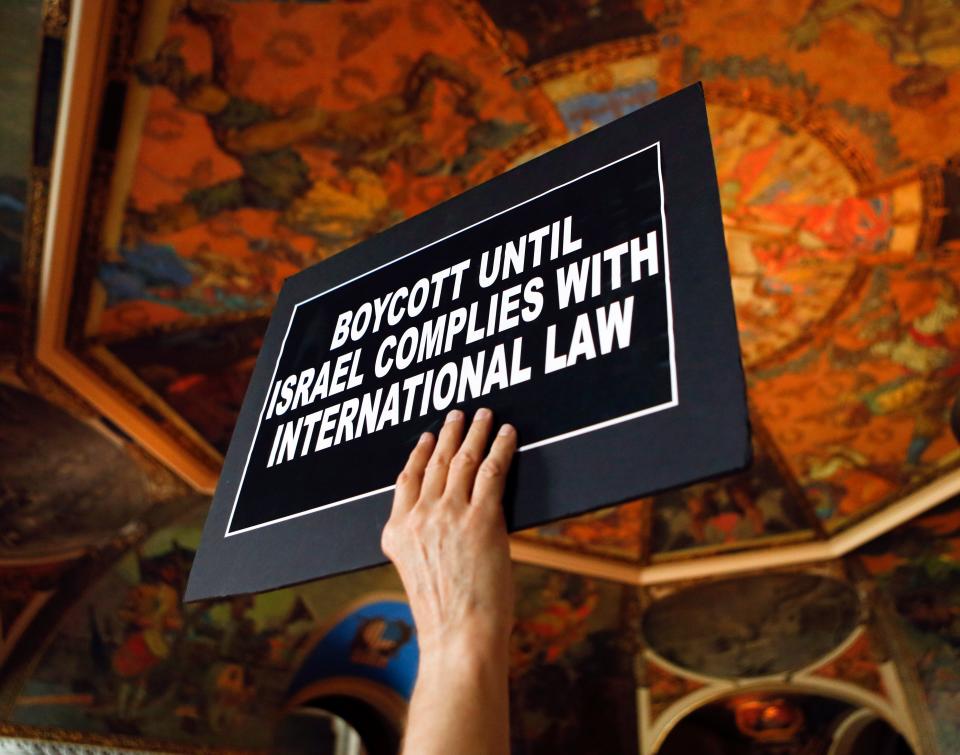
column 384, row 700
column 653, row 734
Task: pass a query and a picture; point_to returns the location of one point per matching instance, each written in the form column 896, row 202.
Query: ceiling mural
column 760, row 507
column 131, row 658
column 265, row 148
column 918, row 567
column 910, row 49
column 259, row 138
column 861, row 413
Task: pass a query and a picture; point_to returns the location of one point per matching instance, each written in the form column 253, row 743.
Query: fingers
column 411, row 478
column 464, row 465
column 492, row 474
column 435, row 475
column 454, row 470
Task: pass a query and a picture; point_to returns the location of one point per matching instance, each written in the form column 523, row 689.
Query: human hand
column 446, row 536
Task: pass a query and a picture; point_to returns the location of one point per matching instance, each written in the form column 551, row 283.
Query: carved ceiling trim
column 605, row 53
column 82, row 89
column 838, row 545
column 656, row 731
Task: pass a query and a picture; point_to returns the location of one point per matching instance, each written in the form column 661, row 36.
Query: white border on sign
column 547, row 441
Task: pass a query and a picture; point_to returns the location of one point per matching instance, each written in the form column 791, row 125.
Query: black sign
column 584, row 297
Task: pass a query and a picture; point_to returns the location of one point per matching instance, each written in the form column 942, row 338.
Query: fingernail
column 506, row 430
column 455, row 415
column 425, row 437
column 482, row 414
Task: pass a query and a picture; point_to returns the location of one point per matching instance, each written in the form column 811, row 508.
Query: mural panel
column 918, row 565
column 862, row 414
column 571, row 678
column 267, row 148
column 131, row 658
column 760, row 505
column 752, row 626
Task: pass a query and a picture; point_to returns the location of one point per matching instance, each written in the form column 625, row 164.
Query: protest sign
column 584, row 297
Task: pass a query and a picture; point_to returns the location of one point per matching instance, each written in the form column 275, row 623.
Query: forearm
column 447, row 537
column 460, row 703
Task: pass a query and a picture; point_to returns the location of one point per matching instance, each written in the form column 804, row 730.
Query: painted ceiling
column 237, row 142
column 240, row 142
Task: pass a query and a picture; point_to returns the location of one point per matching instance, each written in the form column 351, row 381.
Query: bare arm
column 447, row 538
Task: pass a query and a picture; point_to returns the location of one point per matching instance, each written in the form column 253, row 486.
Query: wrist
column 473, row 651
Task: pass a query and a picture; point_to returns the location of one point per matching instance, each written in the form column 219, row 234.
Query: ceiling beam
column 838, row 545
column 89, row 33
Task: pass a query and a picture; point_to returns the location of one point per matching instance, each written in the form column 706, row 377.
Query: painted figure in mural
column 151, row 613
column 334, row 211
column 907, row 326
column 202, row 665
column 914, row 337
column 152, row 621
column 565, row 605
column 378, row 640
column 923, row 38
column 755, row 503
column 788, row 203
column 229, row 694
column 722, row 508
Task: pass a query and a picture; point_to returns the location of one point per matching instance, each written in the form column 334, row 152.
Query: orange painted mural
column 266, row 148
column 258, row 138
column 272, row 135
